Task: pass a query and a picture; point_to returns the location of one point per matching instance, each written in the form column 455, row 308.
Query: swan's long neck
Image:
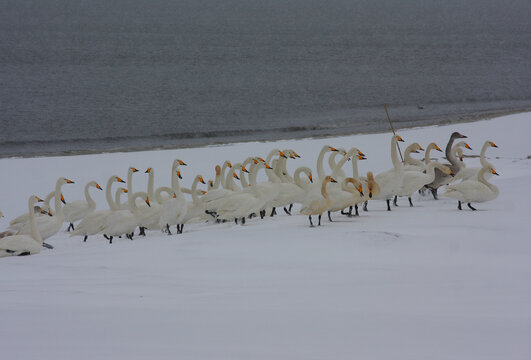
column 221, row 179
column 482, row 159
column 430, row 147
column 151, row 183
column 48, row 199
column 354, row 182
column 58, row 208
column 323, row 189
column 33, row 226
column 117, row 197
column 320, row 158
column 175, row 185
column 271, row 154
column 131, row 203
column 481, row 179
column 450, row 154
column 195, row 198
column 108, row 193
column 90, row 201
column 297, row 176
column 394, row 154
column 335, row 166
column 229, row 181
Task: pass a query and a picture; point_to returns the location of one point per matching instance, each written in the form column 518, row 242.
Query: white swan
column 150, row 216
column 77, row 210
column 345, row 196
column 48, row 226
column 472, row 172
column 174, row 209
column 195, row 210
column 390, row 181
column 431, row 146
column 17, row 245
column 316, row 203
column 213, row 197
column 474, row 190
column 90, row 225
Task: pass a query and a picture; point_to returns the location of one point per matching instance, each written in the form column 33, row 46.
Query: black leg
column 85, row 238
column 251, row 215
column 106, row 237
column 287, row 211
column 410, row 202
column 243, row 220
column 365, row 206
column 329, row 217
column 395, row 201
column 262, row 214
column 311, row 223
column 273, row 212
column 434, row 193
column 356, row 209
column 290, row 207
column 471, row 207
column 388, row 204
column 236, row 220
column 319, row 220
column 142, row 231
column 168, row 229
column 71, row 226
column 110, row 239
column 459, row 205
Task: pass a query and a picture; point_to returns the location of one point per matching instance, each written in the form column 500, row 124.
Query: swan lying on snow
column 18, row 245
column 474, row 190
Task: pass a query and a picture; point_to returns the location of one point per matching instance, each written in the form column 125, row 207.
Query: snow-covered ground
column 428, row 282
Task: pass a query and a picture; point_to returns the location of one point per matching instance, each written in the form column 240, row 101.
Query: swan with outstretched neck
column 391, row 180
column 316, row 203
column 77, row 210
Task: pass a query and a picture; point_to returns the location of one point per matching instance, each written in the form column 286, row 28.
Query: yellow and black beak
column 98, row 187
column 494, row 172
column 420, row 148
column 148, row 171
column 201, row 180
column 244, row 169
column 296, row 155
column 310, row 176
column 182, row 163
column 235, row 176
column 360, row 189
column 229, row 164
column 360, row 153
column 399, row 138
column 125, row 190
column 50, row 212
column 438, row 148
column 493, row 144
column 174, row 195
column 203, row 192
column 69, row 181
column 179, row 174
column 63, row 199
column 134, row 169
column 283, row 155
column 370, row 193
column 267, row 166
column 332, row 180
column 360, row 157
column 147, row 202
column 468, row 146
column 332, row 148
column 120, row 180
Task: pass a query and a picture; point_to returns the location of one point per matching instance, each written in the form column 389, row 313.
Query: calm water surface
column 100, row 75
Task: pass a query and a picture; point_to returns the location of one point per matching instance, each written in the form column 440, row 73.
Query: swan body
column 345, row 196
column 17, row 223
column 124, row 222
column 195, row 210
column 478, row 190
column 415, row 180
column 23, row 244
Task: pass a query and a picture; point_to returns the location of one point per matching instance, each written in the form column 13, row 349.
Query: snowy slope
column 427, row 282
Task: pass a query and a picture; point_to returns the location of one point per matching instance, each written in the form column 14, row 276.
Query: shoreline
column 305, row 134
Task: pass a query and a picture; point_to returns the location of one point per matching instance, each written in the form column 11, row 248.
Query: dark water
column 98, row 75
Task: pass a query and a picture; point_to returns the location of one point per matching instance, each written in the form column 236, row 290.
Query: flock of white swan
column 225, row 200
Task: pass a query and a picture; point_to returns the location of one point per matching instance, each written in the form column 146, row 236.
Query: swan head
column 179, row 162
column 218, row 170
column 282, row 155
column 63, row 181
column 201, row 180
column 210, row 183
column 295, row 154
column 244, row 169
column 437, row 148
column 149, row 171
column 399, row 138
column 63, row 199
column 310, row 176
column 132, row 169
column 331, row 148
column 493, row 144
column 329, row 179
column 147, row 201
column 235, row 176
column 468, row 146
column 98, row 187
column 119, row 179
column 457, row 135
column 179, row 174
column 493, row 171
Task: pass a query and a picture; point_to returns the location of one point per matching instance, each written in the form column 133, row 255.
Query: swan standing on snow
column 174, row 209
column 316, row 203
column 391, row 180
column 195, row 210
column 474, row 190
column 90, row 225
column 124, row 222
column 77, row 210
column 345, row 196
column 18, row 245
